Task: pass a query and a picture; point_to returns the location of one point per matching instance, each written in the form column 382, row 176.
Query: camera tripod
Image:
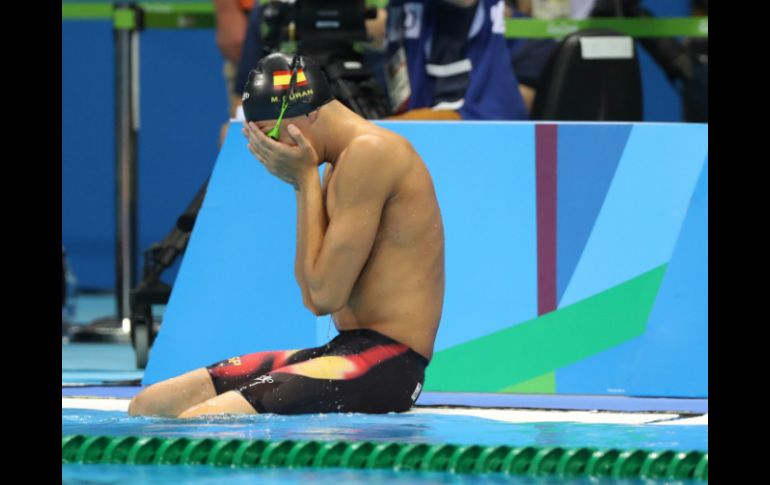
column 152, row 290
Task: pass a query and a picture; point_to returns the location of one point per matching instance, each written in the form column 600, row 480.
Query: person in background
column 695, row 94
column 528, row 56
column 685, row 71
column 448, row 59
column 231, row 17
column 252, row 52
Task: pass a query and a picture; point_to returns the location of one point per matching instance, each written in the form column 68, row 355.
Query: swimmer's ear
column 297, row 136
column 312, row 116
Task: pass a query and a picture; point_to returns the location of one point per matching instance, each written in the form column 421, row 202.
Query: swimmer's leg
column 368, row 377
column 231, row 402
column 172, row 396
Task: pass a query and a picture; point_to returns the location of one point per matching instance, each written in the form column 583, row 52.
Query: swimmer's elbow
column 325, row 303
column 314, row 309
column 317, row 311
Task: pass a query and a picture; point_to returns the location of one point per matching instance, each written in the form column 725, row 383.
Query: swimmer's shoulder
column 394, row 146
column 381, row 152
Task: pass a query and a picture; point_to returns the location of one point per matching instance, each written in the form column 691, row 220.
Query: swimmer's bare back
column 399, row 291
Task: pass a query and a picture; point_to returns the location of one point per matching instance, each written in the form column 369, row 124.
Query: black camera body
column 326, row 30
column 316, row 25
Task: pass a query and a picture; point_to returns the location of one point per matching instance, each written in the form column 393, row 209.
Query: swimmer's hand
column 292, row 164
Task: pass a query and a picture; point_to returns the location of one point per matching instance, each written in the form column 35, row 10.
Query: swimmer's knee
column 139, row 405
column 150, row 401
column 172, row 396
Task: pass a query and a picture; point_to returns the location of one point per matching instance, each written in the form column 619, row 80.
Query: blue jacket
column 492, row 89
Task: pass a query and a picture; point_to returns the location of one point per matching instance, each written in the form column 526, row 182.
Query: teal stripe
column 179, row 8
column 187, row 14
column 649, row 27
column 549, row 342
column 86, row 11
column 124, row 19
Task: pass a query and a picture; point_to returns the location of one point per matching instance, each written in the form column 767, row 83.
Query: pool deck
column 103, row 377
column 508, row 415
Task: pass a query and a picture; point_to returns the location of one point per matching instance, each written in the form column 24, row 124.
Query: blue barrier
column 631, row 200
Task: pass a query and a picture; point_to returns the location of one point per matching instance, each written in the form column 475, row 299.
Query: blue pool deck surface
column 199, row 475
column 401, row 428
column 99, row 373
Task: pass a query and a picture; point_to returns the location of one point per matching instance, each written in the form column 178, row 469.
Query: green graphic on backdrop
column 519, row 358
column 545, row 384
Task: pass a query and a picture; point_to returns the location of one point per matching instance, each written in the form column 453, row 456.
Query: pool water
column 205, row 475
column 99, row 363
column 403, row 428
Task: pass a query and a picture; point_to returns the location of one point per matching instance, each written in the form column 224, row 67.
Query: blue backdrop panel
column 644, row 207
column 183, row 106
column 661, row 101
column 484, row 174
column 236, row 292
column 671, row 358
column 88, row 151
column 675, row 363
column 587, row 158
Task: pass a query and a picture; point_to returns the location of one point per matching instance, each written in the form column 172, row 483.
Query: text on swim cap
column 293, row 96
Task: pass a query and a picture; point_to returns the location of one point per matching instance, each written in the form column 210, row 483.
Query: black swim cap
column 269, row 84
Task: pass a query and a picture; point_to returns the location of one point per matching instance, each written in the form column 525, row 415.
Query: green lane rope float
column 468, row 459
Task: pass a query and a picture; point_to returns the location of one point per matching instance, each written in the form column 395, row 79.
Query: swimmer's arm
column 299, row 273
column 427, row 114
column 333, row 256
column 306, row 204
column 230, row 28
column 297, row 166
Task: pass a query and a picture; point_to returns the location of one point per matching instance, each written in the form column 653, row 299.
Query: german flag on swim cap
column 269, row 84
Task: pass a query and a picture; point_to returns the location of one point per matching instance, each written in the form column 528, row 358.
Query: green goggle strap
column 275, row 132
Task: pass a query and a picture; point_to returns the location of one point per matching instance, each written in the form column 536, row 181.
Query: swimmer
column 369, row 251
